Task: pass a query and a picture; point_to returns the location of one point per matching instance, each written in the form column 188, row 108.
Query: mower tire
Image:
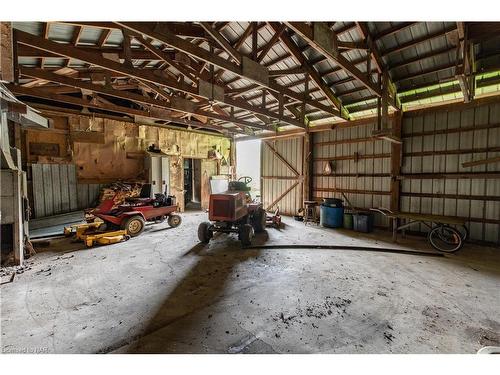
column 259, row 220
column 134, row 225
column 246, row 234
column 204, row 232
column 174, row 221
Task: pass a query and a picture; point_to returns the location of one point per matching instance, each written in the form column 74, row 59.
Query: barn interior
column 250, row 187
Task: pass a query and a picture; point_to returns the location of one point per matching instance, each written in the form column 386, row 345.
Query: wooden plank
column 87, row 137
column 452, row 130
column 72, row 191
column 354, row 157
column 44, row 148
column 308, row 33
column 452, row 175
column 453, row 152
column 63, row 175
column 481, row 162
column 453, row 196
column 308, row 166
column 396, row 163
column 271, row 43
column 38, row 190
column 47, row 182
column 56, row 188
column 430, row 218
column 223, row 43
column 277, row 200
column 300, row 58
column 353, row 191
column 283, row 160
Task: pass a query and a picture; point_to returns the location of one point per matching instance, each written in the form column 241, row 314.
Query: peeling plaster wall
column 106, row 150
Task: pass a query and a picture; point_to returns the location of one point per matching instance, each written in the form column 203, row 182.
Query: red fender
column 118, row 220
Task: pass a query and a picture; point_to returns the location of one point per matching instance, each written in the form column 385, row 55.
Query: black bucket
column 363, row 222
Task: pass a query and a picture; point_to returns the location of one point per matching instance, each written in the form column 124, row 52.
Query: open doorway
column 248, row 163
column 192, row 184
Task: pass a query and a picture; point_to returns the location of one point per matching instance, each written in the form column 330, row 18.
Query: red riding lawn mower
column 133, row 215
column 234, row 212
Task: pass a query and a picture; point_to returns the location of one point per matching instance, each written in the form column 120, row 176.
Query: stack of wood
column 120, row 191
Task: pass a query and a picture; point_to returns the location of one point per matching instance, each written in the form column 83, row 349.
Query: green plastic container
column 348, row 220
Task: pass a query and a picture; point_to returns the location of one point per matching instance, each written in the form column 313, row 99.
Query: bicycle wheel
column 445, row 239
column 464, row 232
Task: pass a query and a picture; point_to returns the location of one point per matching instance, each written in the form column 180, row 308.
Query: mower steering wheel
column 246, row 179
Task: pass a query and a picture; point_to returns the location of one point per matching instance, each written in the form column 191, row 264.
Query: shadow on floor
column 204, row 285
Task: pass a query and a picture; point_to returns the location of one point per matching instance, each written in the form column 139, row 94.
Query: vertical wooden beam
column 396, row 161
column 127, row 48
column 254, row 41
column 6, row 52
column 379, row 105
column 232, row 157
column 385, row 100
column 307, row 166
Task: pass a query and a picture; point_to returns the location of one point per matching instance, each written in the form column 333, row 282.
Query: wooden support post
column 379, row 105
column 232, row 158
column 303, row 107
column 254, row 41
column 385, row 100
column 396, row 160
column 308, row 165
column 6, row 52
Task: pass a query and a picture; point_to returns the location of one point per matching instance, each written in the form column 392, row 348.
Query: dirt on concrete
column 163, row 292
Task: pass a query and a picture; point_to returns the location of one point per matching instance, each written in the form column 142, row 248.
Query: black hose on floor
column 339, row 247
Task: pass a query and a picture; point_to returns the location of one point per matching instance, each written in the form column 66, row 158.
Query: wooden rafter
column 141, row 74
column 299, row 57
column 381, row 67
column 271, row 43
column 223, row 42
column 164, row 57
column 202, row 54
column 316, row 41
column 180, row 28
column 393, row 30
column 161, row 109
column 414, row 42
column 100, row 103
column 177, row 105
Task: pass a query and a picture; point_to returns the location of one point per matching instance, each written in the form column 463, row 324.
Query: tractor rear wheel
column 174, row 221
column 246, row 234
column 259, row 220
column 204, row 232
column 134, row 225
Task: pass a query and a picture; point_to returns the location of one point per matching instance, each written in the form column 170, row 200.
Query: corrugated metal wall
column 360, row 167
column 55, row 190
column 435, row 144
column 463, row 135
column 277, row 177
column 88, row 194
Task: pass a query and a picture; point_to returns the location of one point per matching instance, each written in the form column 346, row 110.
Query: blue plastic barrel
column 331, row 217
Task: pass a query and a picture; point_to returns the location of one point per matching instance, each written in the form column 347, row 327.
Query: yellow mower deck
column 88, row 233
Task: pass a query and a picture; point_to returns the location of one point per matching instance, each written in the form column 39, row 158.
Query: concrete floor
column 163, row 292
